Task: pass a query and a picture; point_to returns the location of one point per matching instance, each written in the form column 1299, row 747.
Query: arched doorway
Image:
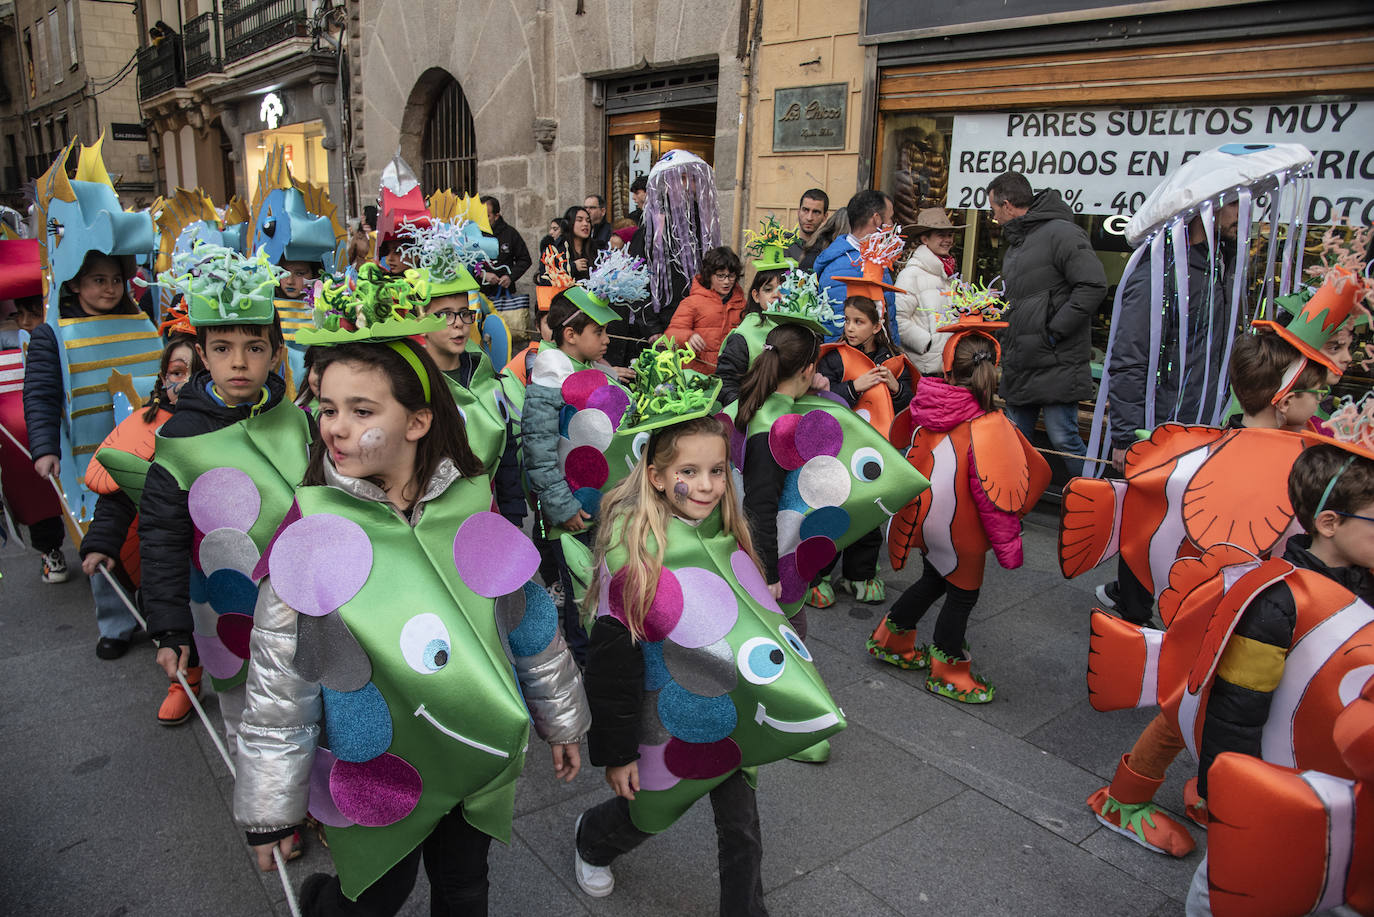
column 437, row 134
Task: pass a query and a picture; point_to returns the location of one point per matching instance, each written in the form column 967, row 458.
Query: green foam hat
column 803, row 301
column 376, row 308
column 223, row 287
column 665, row 391
column 770, row 243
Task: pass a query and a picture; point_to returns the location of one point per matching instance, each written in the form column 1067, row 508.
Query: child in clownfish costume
column 984, row 477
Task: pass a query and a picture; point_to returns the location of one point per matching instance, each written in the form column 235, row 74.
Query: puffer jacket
column 165, row 529
column 838, row 260
column 1236, row 715
column 924, row 281
column 282, row 713
column 1054, row 285
column 703, row 312
column 941, row 407
column 539, row 436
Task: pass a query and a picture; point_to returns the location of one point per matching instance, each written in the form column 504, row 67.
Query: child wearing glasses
column 713, row 308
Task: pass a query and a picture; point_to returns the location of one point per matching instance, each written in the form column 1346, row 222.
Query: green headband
column 1331, row 485
column 415, row 364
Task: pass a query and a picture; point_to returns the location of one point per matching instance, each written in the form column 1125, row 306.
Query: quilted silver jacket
column 281, row 718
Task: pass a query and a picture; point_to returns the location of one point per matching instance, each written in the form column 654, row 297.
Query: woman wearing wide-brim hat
column 924, row 280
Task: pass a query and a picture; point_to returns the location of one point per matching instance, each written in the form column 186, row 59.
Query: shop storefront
column 305, row 152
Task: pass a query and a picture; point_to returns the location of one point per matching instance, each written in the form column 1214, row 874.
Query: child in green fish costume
column 399, row 652
column 693, row 675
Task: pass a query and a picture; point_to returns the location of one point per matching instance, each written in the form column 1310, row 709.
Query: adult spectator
column 868, row 212
column 811, row 213
column 713, row 309
column 595, row 205
column 512, row 257
column 579, row 243
column 639, row 193
column 1054, row 286
column 926, row 280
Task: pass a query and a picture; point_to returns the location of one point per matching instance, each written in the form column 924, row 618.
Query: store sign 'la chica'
column 1107, row 160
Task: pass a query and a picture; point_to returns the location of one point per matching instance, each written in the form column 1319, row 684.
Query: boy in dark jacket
column 240, row 382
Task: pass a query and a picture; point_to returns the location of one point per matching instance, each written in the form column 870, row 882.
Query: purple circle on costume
column 224, row 498
column 321, row 803
column 375, row 793
column 793, row 586
column 586, row 467
column 493, row 557
column 747, row 575
column 580, row 386
column 813, row 554
column 782, row 442
column 737, row 440
column 233, row 631
column 664, row 611
column 612, row 400
column 319, row 563
column 818, row 433
column 653, row 773
column 700, row 761
column 216, row 657
column 709, row 608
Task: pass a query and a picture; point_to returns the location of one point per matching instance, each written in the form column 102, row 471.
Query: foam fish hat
column 402, row 206
column 376, row 307
column 281, row 223
column 616, row 277
column 180, row 219
column 973, row 309
column 770, row 243
column 223, row 287
column 453, row 208
column 556, row 267
column 21, row 269
column 802, row 301
column 877, row 252
column 83, row 215
column 451, row 253
column 665, row 391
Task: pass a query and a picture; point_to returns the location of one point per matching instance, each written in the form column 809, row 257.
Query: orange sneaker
column 1127, row 807
column 897, row 647
column 176, row 706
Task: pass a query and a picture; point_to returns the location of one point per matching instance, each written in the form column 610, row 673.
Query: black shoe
column 111, row 648
column 1109, row 595
column 314, row 892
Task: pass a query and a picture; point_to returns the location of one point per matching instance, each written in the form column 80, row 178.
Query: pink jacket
column 941, row 406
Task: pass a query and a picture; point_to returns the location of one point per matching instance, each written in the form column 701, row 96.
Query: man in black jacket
column 513, row 257
column 1054, row 285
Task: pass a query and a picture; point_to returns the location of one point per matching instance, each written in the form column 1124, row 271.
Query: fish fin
column 1089, row 523
column 1120, row 674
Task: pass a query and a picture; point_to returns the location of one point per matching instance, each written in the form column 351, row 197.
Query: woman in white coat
column 927, row 275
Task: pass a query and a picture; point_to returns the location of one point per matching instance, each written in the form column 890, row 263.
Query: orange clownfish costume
column 519, row 365
column 874, row 404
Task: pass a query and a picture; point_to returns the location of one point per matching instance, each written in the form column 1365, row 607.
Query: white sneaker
column 596, row 881
column 1106, row 595
column 54, row 567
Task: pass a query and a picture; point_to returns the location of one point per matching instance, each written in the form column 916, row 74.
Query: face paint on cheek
column 371, row 442
column 680, row 492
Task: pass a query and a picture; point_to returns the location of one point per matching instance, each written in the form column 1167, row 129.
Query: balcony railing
column 201, row 41
column 252, row 25
column 159, row 67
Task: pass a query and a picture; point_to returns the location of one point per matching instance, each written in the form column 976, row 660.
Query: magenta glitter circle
column 493, row 557
column 709, row 608
column 818, row 433
column 664, row 611
column 586, row 466
column 224, row 498
column 578, row 387
column 813, row 554
column 375, row 793
column 782, row 442
column 747, row 575
column 321, row 803
column 701, row 761
column 319, row 563
column 793, row 586
column 234, row 630
column 612, row 400
column 653, row 773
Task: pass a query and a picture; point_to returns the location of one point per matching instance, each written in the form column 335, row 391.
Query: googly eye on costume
column 641, row 440
column 790, row 637
column 866, row 464
column 425, row 643
column 761, row 661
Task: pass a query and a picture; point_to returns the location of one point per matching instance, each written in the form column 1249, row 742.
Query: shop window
column 449, row 145
column 305, row 152
column 636, row 140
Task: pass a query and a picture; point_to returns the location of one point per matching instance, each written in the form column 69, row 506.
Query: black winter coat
column 1054, row 285
column 165, row 529
column 1236, row 714
column 1178, row 396
column 513, row 257
column 614, row 681
column 114, row 513
column 507, row 483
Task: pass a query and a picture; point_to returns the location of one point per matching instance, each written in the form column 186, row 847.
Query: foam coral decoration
column 1344, row 259
column 770, row 232
column 802, row 295
column 1352, row 422
column 222, row 286
column 665, row 388
column 444, row 249
column 556, row 267
column 882, row 247
column 375, row 299
column 968, row 300
column 617, row 276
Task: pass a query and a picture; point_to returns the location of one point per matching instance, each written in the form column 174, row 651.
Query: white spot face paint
column 371, row 442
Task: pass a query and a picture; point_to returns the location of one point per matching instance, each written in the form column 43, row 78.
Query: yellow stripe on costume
column 108, row 317
column 116, row 361
column 99, row 409
column 148, row 335
column 103, row 388
column 1252, row 664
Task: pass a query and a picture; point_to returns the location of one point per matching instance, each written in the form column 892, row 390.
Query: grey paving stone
column 1165, row 874
column 825, row 893
column 926, row 867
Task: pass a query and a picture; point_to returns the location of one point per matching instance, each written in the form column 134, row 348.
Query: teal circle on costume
column 358, row 722
column 693, row 718
column 231, row 592
column 537, row 629
column 655, row 671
